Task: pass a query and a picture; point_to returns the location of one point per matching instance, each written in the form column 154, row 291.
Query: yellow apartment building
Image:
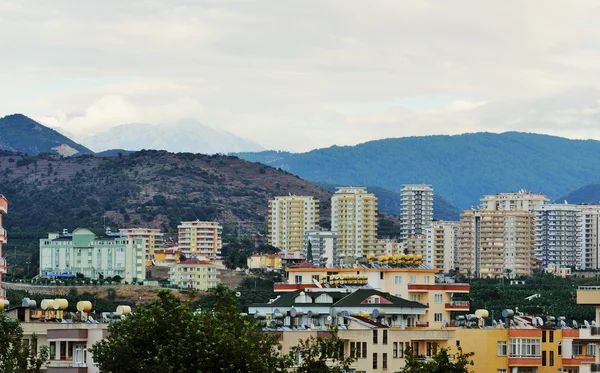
column 262, row 261
column 153, row 240
column 354, row 218
column 200, row 239
column 194, row 274
column 289, row 218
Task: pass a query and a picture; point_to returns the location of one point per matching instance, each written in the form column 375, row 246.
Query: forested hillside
column 461, row 168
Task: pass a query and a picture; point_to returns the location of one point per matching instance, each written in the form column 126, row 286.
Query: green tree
column 167, row 335
column 309, row 254
column 321, row 355
column 441, row 362
column 16, row 355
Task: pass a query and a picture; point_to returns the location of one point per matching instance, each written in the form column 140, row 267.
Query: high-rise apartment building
column 559, row 236
column 290, row 217
column 200, row 239
column 417, row 209
column 498, row 238
column 153, row 240
column 416, row 244
column 590, row 242
column 354, row 218
column 3, row 210
column 442, row 244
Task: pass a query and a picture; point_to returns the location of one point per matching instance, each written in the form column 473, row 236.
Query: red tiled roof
column 304, row 265
column 369, row 321
column 191, row 261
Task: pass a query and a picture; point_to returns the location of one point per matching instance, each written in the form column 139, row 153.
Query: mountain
column 389, row 202
column 586, row 194
column 184, row 136
column 19, row 133
column 462, row 168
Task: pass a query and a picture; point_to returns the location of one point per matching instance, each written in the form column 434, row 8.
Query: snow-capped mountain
column 183, row 136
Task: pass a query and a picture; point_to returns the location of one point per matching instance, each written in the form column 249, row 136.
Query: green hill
column 586, row 194
column 461, row 168
column 23, row 134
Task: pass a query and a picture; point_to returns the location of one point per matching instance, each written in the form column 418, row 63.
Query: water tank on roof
column 28, row 303
column 60, row 304
column 46, row 304
column 84, row 306
column 123, row 310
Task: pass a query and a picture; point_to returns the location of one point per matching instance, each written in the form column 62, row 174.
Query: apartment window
column 397, row 280
column 502, row 348
column 551, row 336
column 526, row 347
column 298, row 279
column 412, row 279
column 544, row 336
column 543, row 358
column 315, row 277
column 374, row 360
column 385, row 336
column 437, row 317
column 381, row 275
column 500, row 370
column 398, row 350
column 426, row 279
column 429, row 349
column 551, row 358
column 559, row 349
column 375, row 336
column 52, row 350
column 384, row 360
column 364, row 350
column 591, row 351
column 438, row 298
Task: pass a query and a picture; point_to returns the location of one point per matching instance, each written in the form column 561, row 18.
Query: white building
column 92, row 253
column 323, row 246
column 590, row 243
column 200, row 239
column 153, row 240
column 559, row 236
column 442, row 244
column 417, row 209
column 289, row 218
column 354, row 219
column 513, row 201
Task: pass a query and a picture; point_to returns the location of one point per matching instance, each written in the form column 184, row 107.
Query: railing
column 588, row 288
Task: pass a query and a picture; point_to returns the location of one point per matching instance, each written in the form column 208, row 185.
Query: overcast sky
column 297, row 75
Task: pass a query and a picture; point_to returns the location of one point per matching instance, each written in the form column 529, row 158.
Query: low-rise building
column 195, row 274
column 93, row 253
column 166, row 257
column 264, row 261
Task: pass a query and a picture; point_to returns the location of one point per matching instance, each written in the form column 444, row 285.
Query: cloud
column 307, row 74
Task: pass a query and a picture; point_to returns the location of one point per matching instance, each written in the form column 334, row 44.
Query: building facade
column 93, row 253
column 442, row 244
column 520, row 201
column 497, row 243
column 3, row 211
column 354, row 219
column 590, row 223
column 323, row 247
column 194, row 274
column 559, row 236
column 264, row 261
column 200, row 239
column 417, row 209
column 289, row 218
column 153, row 240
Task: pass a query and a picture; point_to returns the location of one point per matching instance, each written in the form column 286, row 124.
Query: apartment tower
column 289, row 218
column 498, row 238
column 153, row 240
column 442, row 244
column 590, row 243
column 3, row 210
column 354, row 218
column 200, row 239
column 559, row 236
column 417, row 209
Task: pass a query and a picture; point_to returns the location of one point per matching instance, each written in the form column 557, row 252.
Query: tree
column 168, row 335
column 441, row 362
column 309, row 254
column 321, row 355
column 16, row 355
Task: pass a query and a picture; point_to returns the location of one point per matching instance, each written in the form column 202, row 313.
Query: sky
column 299, row 75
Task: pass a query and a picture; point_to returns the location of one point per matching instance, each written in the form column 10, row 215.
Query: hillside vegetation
column 23, row 134
column 586, row 194
column 461, row 168
column 147, row 188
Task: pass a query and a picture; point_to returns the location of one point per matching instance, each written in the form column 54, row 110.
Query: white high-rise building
column 417, row 209
column 590, row 243
column 442, row 244
column 513, row 201
column 354, row 219
column 290, row 217
column 323, row 247
column 559, row 236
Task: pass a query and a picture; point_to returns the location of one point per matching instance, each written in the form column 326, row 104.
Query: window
column 544, row 336
column 551, row 336
column 500, row 370
column 385, row 335
column 551, row 358
column 381, row 275
column 375, row 336
column 354, row 346
column 398, row 350
column 412, row 279
column 502, row 350
column 429, row 349
column 384, row 361
column 397, row 280
column 375, row 360
column 591, row 349
column 543, row 358
column 364, row 350
column 426, row 279
column 525, row 347
column 437, row 317
column 559, row 349
column 438, row 298
column 298, row 279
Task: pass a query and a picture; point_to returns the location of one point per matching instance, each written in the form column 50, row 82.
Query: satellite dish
column 586, row 323
column 238, row 294
column 329, row 318
column 309, row 314
column 534, row 321
column 575, row 325
column 508, row 313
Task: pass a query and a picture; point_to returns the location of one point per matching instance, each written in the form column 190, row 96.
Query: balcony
column 2, row 235
column 455, row 288
column 458, row 305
